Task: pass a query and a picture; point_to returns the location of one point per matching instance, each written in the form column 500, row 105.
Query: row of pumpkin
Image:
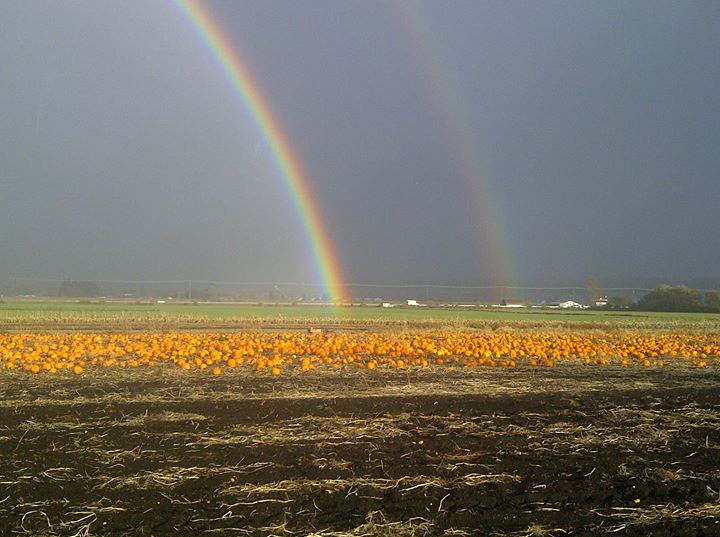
column 278, row 352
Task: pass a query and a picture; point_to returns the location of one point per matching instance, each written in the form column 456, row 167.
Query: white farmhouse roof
column 570, row 304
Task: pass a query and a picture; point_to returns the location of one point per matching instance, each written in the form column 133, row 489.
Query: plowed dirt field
column 568, row 450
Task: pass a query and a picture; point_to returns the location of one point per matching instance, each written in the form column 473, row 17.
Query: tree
column 276, row 294
column 669, row 298
column 712, row 301
column 619, row 302
column 213, row 293
column 595, row 291
column 70, row 288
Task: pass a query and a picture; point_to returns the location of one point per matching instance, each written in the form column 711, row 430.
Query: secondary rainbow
column 238, row 74
column 493, row 238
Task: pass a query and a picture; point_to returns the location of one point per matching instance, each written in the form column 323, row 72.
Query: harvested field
column 503, row 451
column 68, row 315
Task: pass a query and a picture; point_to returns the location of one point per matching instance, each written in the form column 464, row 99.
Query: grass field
column 37, row 313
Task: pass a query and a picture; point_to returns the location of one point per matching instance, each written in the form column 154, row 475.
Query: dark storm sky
column 126, row 154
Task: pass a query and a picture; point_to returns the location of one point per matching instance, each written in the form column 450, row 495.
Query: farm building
column 571, row 304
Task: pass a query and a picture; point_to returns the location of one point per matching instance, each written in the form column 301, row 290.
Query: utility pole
column 189, row 290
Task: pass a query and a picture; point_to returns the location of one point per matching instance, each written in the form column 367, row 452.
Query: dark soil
column 581, row 450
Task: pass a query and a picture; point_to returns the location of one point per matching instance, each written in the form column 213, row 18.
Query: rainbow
column 492, row 238
column 286, row 162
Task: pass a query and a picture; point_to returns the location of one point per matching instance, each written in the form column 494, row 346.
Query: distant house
column 570, row 304
column 387, row 305
column 412, row 303
column 509, row 304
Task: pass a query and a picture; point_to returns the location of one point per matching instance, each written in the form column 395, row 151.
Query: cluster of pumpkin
column 277, row 352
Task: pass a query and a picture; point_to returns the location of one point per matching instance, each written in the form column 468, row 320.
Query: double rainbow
column 284, row 159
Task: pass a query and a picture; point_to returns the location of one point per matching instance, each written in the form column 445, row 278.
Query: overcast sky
column 593, row 130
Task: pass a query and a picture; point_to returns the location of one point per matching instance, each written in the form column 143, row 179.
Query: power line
column 427, row 285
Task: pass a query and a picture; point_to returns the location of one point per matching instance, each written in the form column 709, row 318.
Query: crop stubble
column 505, row 452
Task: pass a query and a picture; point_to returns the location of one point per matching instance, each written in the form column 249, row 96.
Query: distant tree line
column 680, row 298
column 89, row 289
column 72, row 288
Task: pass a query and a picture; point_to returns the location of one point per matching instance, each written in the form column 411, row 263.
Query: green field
column 36, row 312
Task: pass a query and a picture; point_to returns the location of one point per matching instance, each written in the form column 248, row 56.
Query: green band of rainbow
column 271, row 132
